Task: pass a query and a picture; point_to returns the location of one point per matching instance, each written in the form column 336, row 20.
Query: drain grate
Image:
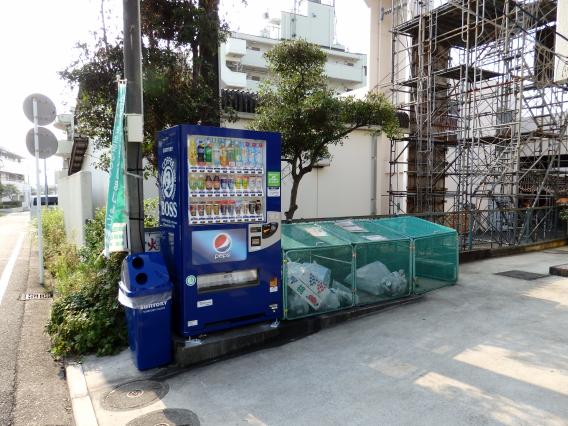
column 521, row 275
column 136, row 394
column 35, row 296
column 167, row 417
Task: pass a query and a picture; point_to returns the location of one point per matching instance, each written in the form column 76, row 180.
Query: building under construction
column 484, row 84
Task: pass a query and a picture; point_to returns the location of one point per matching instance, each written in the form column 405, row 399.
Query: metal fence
column 494, row 228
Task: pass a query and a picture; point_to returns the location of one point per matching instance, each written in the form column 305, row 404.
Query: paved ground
column 32, row 389
column 491, row 350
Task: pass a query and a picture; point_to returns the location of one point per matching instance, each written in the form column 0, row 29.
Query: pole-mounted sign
column 41, row 143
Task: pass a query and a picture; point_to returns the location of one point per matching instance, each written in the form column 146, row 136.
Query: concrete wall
column 76, row 202
column 83, row 192
column 344, row 188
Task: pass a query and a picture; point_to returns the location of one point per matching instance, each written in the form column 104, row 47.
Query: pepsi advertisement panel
column 218, row 246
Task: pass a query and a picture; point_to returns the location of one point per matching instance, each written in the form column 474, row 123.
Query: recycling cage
column 316, row 264
column 436, row 251
column 382, row 260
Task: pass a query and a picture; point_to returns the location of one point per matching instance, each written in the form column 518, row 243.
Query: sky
column 39, row 36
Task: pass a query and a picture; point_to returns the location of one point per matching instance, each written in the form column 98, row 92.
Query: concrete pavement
column 490, row 350
column 32, row 388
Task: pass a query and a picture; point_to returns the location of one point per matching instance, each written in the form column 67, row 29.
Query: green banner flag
column 116, row 211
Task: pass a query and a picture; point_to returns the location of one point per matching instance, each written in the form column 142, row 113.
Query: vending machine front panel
column 225, row 243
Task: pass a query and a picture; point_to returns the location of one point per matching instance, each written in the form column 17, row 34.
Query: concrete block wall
column 76, row 202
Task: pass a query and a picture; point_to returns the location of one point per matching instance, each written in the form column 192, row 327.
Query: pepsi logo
column 222, row 243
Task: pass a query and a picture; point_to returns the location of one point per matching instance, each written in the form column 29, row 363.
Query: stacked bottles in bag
column 226, row 180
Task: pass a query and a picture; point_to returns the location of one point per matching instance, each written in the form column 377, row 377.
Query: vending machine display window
column 226, row 180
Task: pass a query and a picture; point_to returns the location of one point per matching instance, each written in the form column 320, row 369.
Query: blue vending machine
column 220, row 225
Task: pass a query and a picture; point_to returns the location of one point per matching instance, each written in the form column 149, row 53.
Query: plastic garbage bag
column 296, row 305
column 310, row 281
column 376, row 279
column 395, row 284
column 331, row 301
column 344, row 293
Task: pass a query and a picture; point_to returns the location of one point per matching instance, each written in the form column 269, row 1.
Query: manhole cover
column 167, row 417
column 521, row 275
column 35, row 296
column 134, row 395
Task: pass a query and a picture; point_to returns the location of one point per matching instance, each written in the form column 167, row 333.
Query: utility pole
column 134, row 113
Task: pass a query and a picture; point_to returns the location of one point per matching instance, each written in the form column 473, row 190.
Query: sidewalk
column 490, row 350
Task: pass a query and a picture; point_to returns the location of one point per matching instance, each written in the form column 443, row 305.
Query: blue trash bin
column 145, row 291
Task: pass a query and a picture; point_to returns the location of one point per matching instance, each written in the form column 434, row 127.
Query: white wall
column 344, row 187
column 76, row 202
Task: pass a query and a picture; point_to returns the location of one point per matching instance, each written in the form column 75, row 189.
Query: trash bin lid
column 144, row 274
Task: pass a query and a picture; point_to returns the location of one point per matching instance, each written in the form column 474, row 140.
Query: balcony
column 235, row 48
column 342, row 72
column 254, row 59
column 64, row 148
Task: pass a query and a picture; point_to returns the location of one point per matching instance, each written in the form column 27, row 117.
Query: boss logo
column 168, row 208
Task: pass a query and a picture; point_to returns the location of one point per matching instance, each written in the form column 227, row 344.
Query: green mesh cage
column 436, row 251
column 316, row 264
column 382, row 260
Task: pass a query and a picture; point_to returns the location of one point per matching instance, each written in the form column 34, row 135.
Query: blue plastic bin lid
column 144, row 274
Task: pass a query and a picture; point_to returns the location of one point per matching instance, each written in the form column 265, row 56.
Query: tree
column 180, row 41
column 296, row 102
column 9, row 190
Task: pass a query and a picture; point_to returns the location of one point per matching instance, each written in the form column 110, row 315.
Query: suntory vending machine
column 220, row 225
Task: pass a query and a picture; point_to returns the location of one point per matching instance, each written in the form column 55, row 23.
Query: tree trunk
column 292, row 207
column 209, row 58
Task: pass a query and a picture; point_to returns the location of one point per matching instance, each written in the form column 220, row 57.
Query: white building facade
column 242, row 62
column 12, row 168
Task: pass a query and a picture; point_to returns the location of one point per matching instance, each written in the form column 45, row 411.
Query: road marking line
column 7, row 272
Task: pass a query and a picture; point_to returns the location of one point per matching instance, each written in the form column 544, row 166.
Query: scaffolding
column 488, row 120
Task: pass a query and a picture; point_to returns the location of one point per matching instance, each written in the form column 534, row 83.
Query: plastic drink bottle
column 224, row 161
column 244, row 157
column 216, row 154
column 200, row 153
column 238, row 154
column 231, row 154
column 208, row 153
column 251, row 155
column 258, row 157
column 192, row 152
column 208, row 182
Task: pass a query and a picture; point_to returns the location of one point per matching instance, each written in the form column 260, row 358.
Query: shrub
column 86, row 316
column 151, row 219
column 89, row 318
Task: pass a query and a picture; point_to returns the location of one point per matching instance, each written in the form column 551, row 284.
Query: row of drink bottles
column 202, row 181
column 219, row 152
column 225, row 209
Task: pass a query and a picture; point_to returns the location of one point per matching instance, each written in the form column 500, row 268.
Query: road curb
column 83, row 410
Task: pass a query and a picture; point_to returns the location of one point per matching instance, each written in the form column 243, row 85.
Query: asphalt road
column 31, row 390
column 12, row 227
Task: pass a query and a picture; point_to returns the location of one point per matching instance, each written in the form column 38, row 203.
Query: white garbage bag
column 310, row 281
column 344, row 293
column 376, row 279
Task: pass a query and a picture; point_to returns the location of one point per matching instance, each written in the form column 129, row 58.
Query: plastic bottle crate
column 316, row 264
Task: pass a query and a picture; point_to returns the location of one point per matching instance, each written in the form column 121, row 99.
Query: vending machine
column 220, row 225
